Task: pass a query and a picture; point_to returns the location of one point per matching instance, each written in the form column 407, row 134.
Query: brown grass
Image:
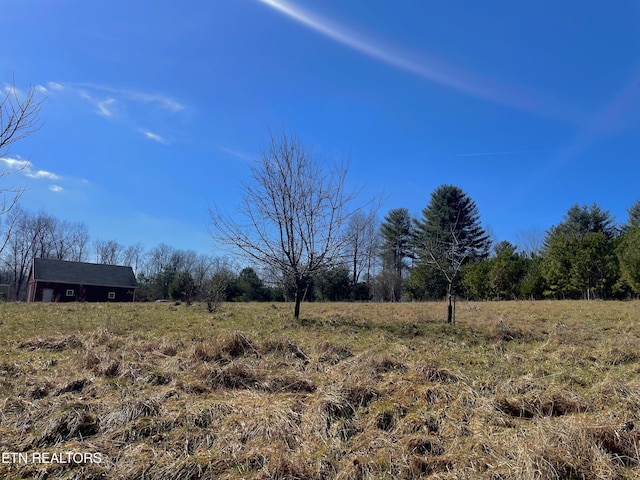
column 530, row 390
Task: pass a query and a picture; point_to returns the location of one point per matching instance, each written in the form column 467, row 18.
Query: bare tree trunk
column 300, row 293
column 449, row 306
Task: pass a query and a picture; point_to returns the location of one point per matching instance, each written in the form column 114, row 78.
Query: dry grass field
column 520, row 390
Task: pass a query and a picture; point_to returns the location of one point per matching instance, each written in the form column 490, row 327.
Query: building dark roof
column 80, row 273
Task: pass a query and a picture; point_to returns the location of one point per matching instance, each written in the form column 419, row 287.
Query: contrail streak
column 510, row 152
column 438, row 72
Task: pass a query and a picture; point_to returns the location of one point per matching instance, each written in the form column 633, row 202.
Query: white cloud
column 13, row 90
column 122, row 105
column 127, row 94
column 41, row 89
column 155, row 137
column 56, row 188
column 104, row 107
column 26, row 167
column 55, row 86
column 16, row 164
column 239, row 154
column 429, row 67
column 163, row 101
column 43, row 174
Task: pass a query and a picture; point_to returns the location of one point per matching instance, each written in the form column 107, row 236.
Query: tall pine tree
column 451, row 217
column 449, row 234
column 395, row 231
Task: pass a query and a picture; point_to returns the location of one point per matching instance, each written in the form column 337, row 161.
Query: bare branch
column 293, row 214
column 19, row 118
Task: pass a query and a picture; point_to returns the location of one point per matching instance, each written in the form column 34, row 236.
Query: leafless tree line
column 27, row 235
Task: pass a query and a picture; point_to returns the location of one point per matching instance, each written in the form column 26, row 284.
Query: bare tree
column 531, row 241
column 292, row 216
column 214, row 285
column 158, row 259
column 183, row 261
column 447, row 255
column 39, row 235
column 109, row 252
column 20, row 248
column 361, row 245
column 132, row 256
column 78, row 239
column 64, row 240
column 19, row 118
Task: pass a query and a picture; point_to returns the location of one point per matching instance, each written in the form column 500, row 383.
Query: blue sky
column 154, row 110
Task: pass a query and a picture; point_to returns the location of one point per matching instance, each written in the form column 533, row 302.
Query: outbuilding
column 53, row 280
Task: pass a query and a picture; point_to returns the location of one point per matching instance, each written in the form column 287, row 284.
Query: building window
column 111, row 295
column 70, row 292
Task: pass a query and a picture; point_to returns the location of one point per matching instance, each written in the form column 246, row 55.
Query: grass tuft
column 285, row 348
column 74, row 421
column 51, row 343
column 435, row 374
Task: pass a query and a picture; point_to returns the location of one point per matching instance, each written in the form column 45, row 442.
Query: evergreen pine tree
column 395, row 231
column 449, row 235
column 451, row 217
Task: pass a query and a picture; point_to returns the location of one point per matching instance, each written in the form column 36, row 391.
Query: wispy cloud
column 12, row 90
column 43, row 174
column 239, row 154
column 15, row 163
column 15, row 166
column 428, row 66
column 54, row 86
column 127, row 106
column 155, row 137
column 26, row 167
column 37, row 91
column 162, row 101
column 104, row 107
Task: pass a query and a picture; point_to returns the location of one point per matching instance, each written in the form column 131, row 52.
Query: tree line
column 446, row 253
column 585, row 256
column 298, row 224
column 443, row 252
column 163, row 272
column 28, row 235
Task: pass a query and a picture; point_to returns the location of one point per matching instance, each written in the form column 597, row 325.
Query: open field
column 352, row 391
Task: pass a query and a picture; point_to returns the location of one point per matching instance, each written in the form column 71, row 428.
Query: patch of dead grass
column 526, row 390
